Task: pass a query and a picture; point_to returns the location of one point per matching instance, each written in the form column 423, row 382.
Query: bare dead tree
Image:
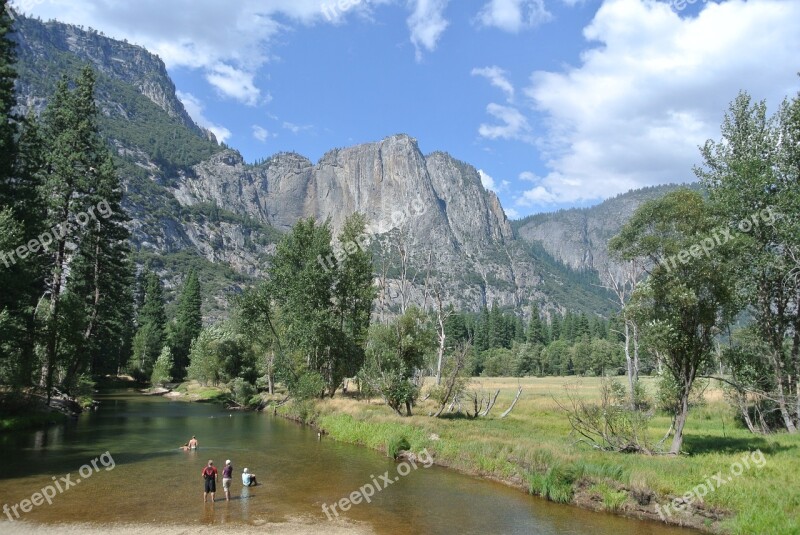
column 508, row 410
column 610, row 425
column 454, row 382
column 622, row 283
column 441, row 319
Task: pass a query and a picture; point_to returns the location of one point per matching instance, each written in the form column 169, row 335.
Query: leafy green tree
column 682, row 304
column 204, row 358
column 258, row 320
column 395, row 352
column 163, row 368
column 325, row 310
column 353, row 295
column 752, row 177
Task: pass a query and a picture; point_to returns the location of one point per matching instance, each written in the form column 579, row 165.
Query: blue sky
column 558, row 103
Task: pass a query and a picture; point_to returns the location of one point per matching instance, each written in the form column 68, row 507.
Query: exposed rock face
column 579, row 237
column 120, row 60
column 452, row 225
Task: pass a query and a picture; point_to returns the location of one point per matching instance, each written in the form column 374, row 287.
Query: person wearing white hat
column 248, row 479
column 227, row 477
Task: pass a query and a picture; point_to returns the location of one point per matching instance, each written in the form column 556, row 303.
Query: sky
column 557, row 103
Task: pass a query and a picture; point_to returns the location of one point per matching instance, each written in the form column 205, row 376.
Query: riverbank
column 26, row 409
column 531, row 450
column 290, row 527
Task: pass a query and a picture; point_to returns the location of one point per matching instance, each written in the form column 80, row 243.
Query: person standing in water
column 192, row 443
column 227, row 477
column 210, row 476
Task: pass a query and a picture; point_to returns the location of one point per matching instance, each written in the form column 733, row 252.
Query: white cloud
column 295, row 128
column 260, row 133
column 511, row 213
column 497, row 77
column 427, row 24
column 655, row 86
column 194, row 107
column 514, row 15
column 234, row 83
column 486, row 180
column 491, row 184
column 514, row 124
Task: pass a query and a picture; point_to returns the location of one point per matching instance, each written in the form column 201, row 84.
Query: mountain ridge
column 196, row 203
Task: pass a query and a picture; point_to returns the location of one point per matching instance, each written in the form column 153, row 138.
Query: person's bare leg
column 205, row 495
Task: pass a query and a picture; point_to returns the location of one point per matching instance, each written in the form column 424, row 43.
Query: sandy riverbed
column 291, row 527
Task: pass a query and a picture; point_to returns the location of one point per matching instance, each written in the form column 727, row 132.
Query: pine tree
column 8, row 126
column 555, row 327
column 87, row 256
column 99, row 268
column 535, row 328
column 149, row 339
column 187, row 325
column 20, row 274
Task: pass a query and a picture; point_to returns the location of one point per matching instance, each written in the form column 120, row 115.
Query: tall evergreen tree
column 149, row 340
column 19, row 273
column 555, row 327
column 8, row 127
column 87, row 251
column 187, row 324
column 535, row 328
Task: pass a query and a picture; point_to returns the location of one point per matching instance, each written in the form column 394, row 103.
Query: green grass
column 532, row 449
column 613, row 499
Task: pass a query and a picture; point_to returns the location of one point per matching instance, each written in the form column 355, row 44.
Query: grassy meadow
column 532, row 449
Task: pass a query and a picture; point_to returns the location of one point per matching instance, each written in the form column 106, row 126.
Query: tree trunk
column 629, row 363
column 508, row 410
column 52, row 331
column 781, row 394
column 441, row 353
column 680, row 421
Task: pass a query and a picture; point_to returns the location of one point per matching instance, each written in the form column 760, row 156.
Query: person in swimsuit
column 210, row 476
column 192, row 444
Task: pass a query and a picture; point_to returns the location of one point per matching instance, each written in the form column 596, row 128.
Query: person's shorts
column 211, row 485
column 226, row 483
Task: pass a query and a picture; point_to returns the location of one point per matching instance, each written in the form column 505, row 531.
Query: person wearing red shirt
column 210, row 477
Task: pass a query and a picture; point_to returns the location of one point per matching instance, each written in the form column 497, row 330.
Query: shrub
column 242, row 392
column 395, row 445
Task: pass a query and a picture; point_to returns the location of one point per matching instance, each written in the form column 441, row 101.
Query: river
column 146, row 478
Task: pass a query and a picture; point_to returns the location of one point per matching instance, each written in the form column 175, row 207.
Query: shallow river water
column 147, row 478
